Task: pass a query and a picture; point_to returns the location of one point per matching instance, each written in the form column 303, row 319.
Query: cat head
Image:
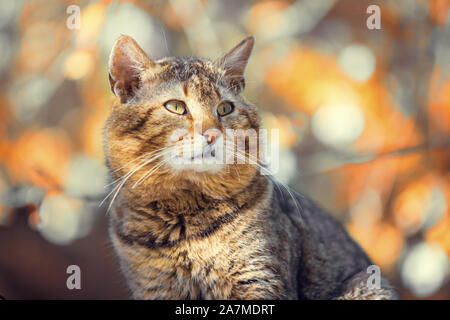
column 172, row 118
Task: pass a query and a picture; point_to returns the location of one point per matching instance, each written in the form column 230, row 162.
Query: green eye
column 225, row 108
column 175, row 106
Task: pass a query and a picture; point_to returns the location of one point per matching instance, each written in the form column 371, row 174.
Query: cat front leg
column 259, row 288
column 359, row 287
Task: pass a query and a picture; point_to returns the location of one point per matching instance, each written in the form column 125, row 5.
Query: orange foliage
column 265, row 16
column 176, row 19
column 383, row 242
column 440, row 234
column 411, row 204
column 379, row 174
column 92, row 17
column 439, row 10
column 42, row 43
column 79, row 64
column 39, row 158
column 309, row 80
column 439, row 103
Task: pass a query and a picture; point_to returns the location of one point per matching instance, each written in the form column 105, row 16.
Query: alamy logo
column 374, row 20
column 74, row 280
column 73, row 21
column 374, row 280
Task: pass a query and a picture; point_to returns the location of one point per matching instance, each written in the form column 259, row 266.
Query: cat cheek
column 178, row 135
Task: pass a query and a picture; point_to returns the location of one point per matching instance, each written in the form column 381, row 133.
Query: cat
column 183, row 230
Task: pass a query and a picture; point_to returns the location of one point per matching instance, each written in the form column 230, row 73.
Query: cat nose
column 211, row 135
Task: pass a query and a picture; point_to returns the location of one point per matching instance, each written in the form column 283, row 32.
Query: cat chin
column 197, row 165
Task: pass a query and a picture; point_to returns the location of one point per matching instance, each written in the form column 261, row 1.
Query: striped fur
column 231, row 234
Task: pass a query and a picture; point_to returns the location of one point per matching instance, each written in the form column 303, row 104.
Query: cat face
column 175, row 120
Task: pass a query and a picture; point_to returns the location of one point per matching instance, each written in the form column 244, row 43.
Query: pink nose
column 211, row 135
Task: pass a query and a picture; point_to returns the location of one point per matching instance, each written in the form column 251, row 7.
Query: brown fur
column 230, row 234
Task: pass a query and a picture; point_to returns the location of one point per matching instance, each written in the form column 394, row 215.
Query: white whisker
column 149, row 173
column 143, row 163
column 270, row 176
column 161, row 154
column 140, row 157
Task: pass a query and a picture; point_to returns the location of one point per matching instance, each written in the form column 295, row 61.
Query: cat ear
column 127, row 61
column 234, row 63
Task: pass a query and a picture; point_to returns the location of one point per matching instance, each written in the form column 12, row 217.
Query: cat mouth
column 208, row 154
column 206, row 160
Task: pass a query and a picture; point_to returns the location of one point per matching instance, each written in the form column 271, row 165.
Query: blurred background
column 364, row 120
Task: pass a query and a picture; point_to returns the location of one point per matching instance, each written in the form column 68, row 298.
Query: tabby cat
column 190, row 230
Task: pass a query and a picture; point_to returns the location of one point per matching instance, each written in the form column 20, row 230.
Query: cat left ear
column 234, row 63
column 127, row 62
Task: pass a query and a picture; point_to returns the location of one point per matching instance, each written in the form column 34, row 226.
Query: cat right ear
column 127, row 62
column 234, row 63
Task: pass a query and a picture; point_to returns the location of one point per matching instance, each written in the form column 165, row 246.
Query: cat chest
column 197, row 270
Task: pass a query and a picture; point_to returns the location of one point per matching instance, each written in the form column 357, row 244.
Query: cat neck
column 194, row 200
column 189, row 215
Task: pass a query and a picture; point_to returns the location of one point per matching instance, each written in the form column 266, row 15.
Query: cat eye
column 225, row 108
column 175, row 106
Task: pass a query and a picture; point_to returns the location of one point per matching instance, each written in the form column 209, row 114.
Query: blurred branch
column 314, row 163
